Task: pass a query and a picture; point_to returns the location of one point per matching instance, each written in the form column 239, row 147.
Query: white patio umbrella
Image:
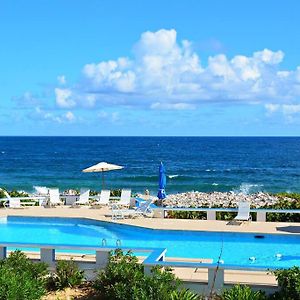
column 102, row 167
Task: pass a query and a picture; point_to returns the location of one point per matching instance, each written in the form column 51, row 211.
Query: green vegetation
column 289, row 283
column 242, row 292
column 283, row 203
column 124, row 279
column 67, row 274
column 22, row 279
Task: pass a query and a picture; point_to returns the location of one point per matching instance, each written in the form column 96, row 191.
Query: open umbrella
column 102, row 167
column 162, row 181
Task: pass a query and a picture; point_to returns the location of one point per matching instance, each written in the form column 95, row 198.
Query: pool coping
column 156, row 255
column 103, row 214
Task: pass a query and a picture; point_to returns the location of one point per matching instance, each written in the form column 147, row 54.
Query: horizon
column 130, row 69
column 152, row 136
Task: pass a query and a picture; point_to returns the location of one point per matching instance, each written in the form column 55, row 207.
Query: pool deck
column 104, row 214
column 188, row 274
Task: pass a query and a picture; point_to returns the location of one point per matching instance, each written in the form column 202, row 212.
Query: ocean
column 239, row 164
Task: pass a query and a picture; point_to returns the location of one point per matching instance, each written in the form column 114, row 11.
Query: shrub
column 22, row 279
column 284, row 203
column 199, row 215
column 124, row 279
column 183, row 294
column 289, row 284
column 242, row 292
column 67, row 275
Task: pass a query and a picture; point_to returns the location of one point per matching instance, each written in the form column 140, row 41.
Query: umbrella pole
column 102, row 180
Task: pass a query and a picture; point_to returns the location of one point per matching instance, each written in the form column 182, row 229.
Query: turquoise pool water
column 237, row 248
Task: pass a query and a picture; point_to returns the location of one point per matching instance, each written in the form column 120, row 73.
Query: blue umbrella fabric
column 162, row 182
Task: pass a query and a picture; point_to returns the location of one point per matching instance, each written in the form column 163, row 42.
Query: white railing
column 211, row 212
column 156, row 256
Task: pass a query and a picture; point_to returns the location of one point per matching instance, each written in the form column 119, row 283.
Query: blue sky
column 149, row 67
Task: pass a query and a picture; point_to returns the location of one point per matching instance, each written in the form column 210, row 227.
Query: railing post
column 3, row 252
column 48, row 256
column 211, row 215
column 261, row 216
column 102, row 259
column 159, row 213
column 215, row 279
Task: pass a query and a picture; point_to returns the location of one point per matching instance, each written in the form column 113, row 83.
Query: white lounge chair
column 54, row 198
column 243, row 212
column 143, row 210
column 15, row 202
column 84, row 198
column 104, row 198
column 125, row 198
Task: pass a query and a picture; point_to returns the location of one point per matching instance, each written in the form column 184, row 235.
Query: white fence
column 211, row 212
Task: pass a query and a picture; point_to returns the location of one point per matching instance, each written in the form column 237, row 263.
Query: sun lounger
column 15, row 202
column 54, row 198
column 243, row 212
column 104, row 198
column 84, row 198
column 125, row 198
column 143, row 210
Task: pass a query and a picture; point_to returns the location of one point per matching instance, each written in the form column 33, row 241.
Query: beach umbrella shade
column 102, row 167
column 162, row 181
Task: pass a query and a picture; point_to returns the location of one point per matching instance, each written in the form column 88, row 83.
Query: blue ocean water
column 247, row 164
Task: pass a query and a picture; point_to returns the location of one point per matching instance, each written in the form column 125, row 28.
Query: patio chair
column 125, row 198
column 104, row 198
column 14, row 202
column 143, row 210
column 54, row 198
column 84, row 198
column 243, row 212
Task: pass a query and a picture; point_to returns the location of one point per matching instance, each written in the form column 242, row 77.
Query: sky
column 148, row 68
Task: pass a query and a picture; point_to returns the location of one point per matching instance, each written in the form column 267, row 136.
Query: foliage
column 289, row 283
column 15, row 193
column 284, row 203
column 295, row 196
column 22, row 279
column 124, row 279
column 199, row 215
column 115, row 193
column 67, row 275
column 183, row 294
column 242, row 292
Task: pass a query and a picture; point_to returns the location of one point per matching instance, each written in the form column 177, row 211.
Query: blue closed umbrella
column 162, row 181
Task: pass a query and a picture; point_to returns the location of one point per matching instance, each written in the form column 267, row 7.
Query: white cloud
column 69, row 116
column 269, row 57
column 173, row 106
column 62, row 79
column 286, row 109
column 40, row 113
column 271, row 108
column 63, row 97
column 164, row 73
column 113, row 117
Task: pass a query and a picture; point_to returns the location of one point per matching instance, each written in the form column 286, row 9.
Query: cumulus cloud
column 63, row 98
column 42, row 114
column 164, row 73
column 288, row 110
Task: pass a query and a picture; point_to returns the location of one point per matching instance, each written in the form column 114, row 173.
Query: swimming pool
column 240, row 249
